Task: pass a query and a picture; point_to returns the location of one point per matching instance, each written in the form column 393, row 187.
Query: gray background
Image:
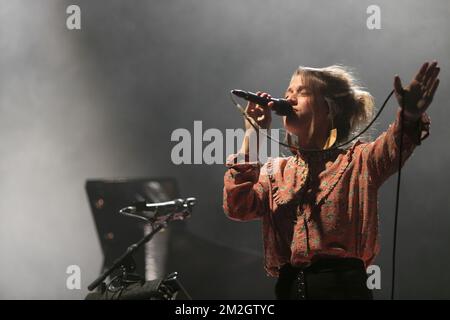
column 102, row 103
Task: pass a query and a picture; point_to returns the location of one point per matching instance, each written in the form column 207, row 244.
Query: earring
column 331, row 139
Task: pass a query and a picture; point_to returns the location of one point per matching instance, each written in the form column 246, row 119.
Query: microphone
column 177, row 209
column 281, row 106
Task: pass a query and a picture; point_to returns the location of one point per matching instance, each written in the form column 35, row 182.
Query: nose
column 292, row 101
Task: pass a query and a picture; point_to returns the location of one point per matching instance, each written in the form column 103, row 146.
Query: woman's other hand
column 418, row 94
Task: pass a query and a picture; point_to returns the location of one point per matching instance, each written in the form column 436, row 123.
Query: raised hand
column 416, row 97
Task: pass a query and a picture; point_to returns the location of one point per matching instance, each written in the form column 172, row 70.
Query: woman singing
column 319, row 209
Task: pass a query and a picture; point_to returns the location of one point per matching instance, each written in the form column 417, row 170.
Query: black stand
column 126, row 262
column 131, row 285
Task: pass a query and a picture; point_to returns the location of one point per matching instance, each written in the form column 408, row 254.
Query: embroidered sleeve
column 382, row 155
column 245, row 189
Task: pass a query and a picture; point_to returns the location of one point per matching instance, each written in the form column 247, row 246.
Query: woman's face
column 310, row 110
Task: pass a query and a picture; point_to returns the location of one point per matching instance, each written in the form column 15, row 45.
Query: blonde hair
column 351, row 107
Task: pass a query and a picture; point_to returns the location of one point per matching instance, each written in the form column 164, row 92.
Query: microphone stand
column 126, row 262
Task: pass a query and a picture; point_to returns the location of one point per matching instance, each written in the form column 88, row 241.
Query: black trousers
column 325, row 279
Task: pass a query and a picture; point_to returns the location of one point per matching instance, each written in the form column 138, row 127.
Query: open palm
column 418, row 94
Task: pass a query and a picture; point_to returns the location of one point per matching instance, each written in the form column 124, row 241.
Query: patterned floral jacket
column 319, row 204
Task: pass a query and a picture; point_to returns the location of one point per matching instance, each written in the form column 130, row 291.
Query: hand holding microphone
column 259, row 110
column 260, row 106
column 260, row 113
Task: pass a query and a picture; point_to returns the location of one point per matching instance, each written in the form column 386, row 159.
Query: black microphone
column 178, row 209
column 160, row 207
column 281, row 106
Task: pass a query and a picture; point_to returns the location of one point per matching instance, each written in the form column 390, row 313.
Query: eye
column 304, row 92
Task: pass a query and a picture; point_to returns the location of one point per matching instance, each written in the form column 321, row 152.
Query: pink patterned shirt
column 319, row 204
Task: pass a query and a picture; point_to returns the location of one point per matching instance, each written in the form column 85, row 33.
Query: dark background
column 102, row 102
